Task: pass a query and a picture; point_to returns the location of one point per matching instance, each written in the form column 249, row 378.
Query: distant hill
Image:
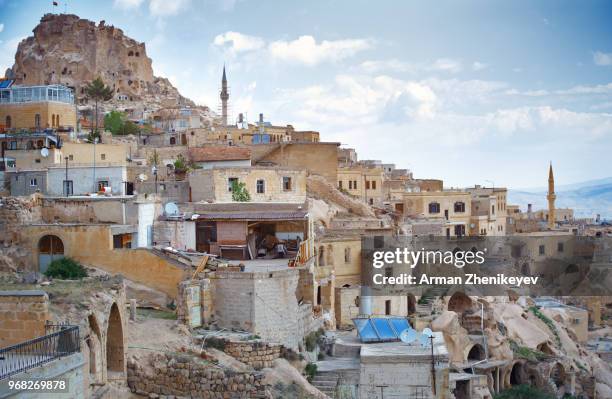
column 587, row 198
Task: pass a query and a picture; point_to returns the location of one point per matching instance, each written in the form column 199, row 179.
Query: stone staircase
column 326, row 382
column 425, row 304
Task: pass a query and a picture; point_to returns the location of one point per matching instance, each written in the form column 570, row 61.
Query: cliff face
column 66, row 49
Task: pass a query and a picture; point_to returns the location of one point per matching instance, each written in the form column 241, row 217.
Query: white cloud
column 1, row 27
column 237, row 42
column 478, row 66
column 161, row 8
column 602, row 59
column 127, row 4
column 447, row 65
column 305, row 50
column 393, row 64
column 7, row 53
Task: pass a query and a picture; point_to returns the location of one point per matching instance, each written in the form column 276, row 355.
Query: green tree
column 114, row 121
column 240, row 192
column 130, row 127
column 180, row 165
column 99, row 92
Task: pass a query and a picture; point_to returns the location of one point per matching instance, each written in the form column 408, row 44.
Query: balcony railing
column 62, row 342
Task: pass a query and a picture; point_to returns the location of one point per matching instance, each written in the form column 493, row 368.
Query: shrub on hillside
column 66, row 269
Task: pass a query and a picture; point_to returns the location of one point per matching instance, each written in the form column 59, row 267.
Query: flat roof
column 251, row 211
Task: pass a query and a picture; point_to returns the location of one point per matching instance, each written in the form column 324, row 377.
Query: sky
column 471, row 92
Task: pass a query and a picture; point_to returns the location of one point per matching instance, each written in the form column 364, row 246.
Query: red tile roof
column 219, row 153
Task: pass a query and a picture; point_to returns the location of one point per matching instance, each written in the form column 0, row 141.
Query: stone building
column 37, row 108
column 489, row 211
column 319, row 158
column 451, row 206
column 264, row 184
column 363, row 182
column 209, row 157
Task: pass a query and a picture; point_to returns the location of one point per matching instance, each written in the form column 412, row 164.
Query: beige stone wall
column 315, row 158
column 23, row 315
column 23, row 114
column 254, row 353
column 92, row 245
column 213, row 184
column 187, row 376
column 369, row 183
column 344, row 255
column 83, row 153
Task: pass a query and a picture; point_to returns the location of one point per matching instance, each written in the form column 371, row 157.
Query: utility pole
column 433, row 367
column 95, row 189
column 154, row 170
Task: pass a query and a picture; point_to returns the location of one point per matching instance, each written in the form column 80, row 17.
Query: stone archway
column 94, row 344
column 459, row 302
column 115, row 352
column 517, row 375
column 558, row 375
column 50, row 248
column 476, row 353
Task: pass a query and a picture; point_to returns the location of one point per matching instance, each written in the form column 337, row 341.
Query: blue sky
column 472, row 92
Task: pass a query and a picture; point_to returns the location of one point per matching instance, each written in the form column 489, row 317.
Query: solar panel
column 384, row 330
column 380, row 329
column 399, row 325
column 6, row 83
column 366, row 332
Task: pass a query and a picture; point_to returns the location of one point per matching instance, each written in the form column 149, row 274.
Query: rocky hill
column 69, row 50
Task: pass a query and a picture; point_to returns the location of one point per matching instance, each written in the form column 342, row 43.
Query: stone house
column 264, row 184
column 210, row 157
column 452, row 207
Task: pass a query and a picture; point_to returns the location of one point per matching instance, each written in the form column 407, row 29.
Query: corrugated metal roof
column 250, row 215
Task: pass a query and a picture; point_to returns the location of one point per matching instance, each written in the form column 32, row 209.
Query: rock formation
column 72, row 51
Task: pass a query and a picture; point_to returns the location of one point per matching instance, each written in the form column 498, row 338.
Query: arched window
column 52, row 120
column 8, row 122
column 172, row 140
column 434, row 207
column 459, row 207
column 37, row 121
column 57, row 121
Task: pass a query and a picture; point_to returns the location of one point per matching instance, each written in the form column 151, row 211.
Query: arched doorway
column 517, row 375
column 95, row 350
column 476, row 353
column 557, row 375
column 115, row 355
column 50, row 247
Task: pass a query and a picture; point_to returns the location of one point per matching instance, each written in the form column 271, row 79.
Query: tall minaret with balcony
column 224, row 97
column 551, row 198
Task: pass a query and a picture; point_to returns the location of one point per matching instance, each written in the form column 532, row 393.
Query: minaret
column 224, row 97
column 551, row 198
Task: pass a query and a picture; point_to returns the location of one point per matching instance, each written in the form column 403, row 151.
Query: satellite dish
column 171, row 209
column 408, row 335
column 142, row 177
column 427, row 332
column 424, row 341
column 44, row 152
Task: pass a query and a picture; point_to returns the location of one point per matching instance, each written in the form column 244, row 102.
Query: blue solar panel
column 384, row 330
column 366, row 331
column 399, row 325
column 380, row 329
column 6, row 83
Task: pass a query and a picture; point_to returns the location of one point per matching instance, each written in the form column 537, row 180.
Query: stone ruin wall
column 184, row 376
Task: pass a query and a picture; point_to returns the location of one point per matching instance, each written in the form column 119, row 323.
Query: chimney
column 240, row 118
column 261, row 118
column 529, row 206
